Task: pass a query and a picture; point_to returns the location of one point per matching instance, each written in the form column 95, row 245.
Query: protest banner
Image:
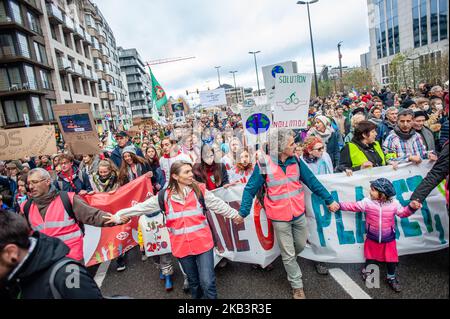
column 213, row 98
column 291, row 101
column 26, row 142
column 78, row 128
column 102, row 244
column 339, row 237
column 179, row 118
column 257, row 121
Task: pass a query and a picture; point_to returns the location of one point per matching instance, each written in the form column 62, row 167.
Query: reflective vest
column 285, row 198
column 358, row 157
column 58, row 224
column 188, row 227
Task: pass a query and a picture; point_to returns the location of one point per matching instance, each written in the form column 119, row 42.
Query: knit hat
column 15, row 164
column 384, row 186
column 129, row 149
column 359, row 110
column 407, row 103
column 325, row 121
column 421, row 113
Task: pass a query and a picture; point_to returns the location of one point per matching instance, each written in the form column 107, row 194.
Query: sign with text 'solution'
column 291, row 101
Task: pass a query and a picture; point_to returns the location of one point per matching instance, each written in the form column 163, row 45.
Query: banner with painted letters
column 336, row 238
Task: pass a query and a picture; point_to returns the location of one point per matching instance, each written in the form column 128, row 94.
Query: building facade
column 139, row 82
column 57, row 52
column 416, row 28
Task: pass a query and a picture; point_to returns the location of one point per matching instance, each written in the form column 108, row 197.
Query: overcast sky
column 221, row 33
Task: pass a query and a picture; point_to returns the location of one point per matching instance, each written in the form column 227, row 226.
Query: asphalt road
column 423, row 276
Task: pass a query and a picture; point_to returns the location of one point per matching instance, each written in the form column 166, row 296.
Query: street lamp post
column 414, row 70
column 256, row 68
column 312, row 43
column 340, row 67
column 67, row 68
column 218, row 74
column 235, row 89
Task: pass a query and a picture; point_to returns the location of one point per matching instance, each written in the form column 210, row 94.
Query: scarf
column 402, row 135
column 69, row 178
column 241, row 168
column 105, row 184
column 44, row 201
column 310, row 159
column 131, row 175
column 168, row 155
column 374, row 120
column 325, row 136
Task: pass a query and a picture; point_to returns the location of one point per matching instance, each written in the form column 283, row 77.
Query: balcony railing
column 64, row 64
column 68, row 22
column 54, row 12
column 78, row 69
column 80, row 31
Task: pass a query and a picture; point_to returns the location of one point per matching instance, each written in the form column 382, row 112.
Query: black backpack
column 67, row 206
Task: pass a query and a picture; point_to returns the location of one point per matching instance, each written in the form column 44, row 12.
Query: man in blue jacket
column 283, row 175
column 123, row 140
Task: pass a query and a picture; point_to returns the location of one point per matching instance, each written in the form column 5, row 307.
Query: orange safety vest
column 58, row 224
column 285, row 198
column 188, row 227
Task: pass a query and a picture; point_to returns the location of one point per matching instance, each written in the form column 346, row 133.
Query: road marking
column 101, row 273
column 348, row 284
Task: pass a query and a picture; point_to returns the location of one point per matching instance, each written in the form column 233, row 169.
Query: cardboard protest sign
column 26, row 142
column 213, row 98
column 291, row 101
column 77, row 126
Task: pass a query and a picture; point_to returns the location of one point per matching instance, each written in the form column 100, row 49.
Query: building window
column 24, row 49
column 434, row 21
column 14, row 111
column 37, row 109
column 15, row 10
column 10, row 79
column 33, row 22
column 423, row 23
column 50, row 104
column 45, row 79
column 443, row 18
column 29, row 71
column 6, row 45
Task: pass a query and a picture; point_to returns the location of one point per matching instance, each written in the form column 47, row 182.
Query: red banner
column 107, row 243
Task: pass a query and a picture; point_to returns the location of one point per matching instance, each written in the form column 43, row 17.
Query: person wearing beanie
column 420, row 117
column 408, row 104
column 123, row 140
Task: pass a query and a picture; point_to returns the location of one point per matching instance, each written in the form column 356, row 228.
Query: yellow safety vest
column 358, row 157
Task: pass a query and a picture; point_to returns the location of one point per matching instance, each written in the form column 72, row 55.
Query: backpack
column 67, row 206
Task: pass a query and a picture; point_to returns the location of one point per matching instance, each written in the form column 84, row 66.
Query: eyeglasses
column 319, row 149
column 35, row 182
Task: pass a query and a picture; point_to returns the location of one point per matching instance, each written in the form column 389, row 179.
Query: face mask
column 439, row 107
column 426, row 107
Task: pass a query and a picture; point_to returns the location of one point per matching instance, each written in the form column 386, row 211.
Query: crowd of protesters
column 346, row 133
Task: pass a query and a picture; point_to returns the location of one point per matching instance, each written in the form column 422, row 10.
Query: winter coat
column 428, row 138
column 80, row 180
column 435, row 176
column 380, row 217
column 31, row 280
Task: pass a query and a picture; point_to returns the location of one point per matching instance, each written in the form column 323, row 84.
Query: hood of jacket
column 47, row 252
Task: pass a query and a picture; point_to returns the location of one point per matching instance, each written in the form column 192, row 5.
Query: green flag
column 158, row 94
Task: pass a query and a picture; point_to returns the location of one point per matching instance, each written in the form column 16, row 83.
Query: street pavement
column 423, row 276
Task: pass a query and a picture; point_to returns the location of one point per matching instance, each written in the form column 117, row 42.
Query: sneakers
column 121, row 268
column 161, row 276
column 269, row 267
column 394, row 284
column 321, row 269
column 298, row 293
column 144, row 257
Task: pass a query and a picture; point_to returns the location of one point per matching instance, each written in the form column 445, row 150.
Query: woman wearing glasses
column 315, row 157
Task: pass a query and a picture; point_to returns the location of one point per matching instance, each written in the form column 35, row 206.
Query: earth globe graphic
column 257, row 123
column 277, row 69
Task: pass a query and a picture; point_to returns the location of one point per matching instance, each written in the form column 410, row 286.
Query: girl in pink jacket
column 380, row 210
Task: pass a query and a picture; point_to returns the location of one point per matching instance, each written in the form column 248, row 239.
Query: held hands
column 415, row 204
column 415, row 159
column 394, row 165
column 432, row 157
column 238, row 220
column 349, row 172
column 111, row 219
column 367, row 164
column 334, row 207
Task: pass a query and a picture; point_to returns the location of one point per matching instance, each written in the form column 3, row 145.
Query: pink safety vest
column 285, row 198
column 189, row 231
column 58, row 224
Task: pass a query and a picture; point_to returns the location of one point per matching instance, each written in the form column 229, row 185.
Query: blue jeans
column 200, row 272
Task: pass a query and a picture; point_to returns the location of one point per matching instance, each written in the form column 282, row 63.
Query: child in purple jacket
column 380, row 210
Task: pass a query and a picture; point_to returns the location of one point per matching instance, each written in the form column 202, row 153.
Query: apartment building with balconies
column 139, row 82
